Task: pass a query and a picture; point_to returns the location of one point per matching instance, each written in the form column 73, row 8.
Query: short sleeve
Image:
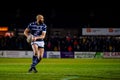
column 44, row 28
column 28, row 26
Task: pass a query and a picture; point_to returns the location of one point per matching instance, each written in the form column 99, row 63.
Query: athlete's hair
column 39, row 15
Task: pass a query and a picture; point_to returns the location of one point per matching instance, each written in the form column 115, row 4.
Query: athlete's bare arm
column 26, row 32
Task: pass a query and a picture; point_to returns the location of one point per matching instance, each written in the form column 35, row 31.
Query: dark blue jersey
column 37, row 29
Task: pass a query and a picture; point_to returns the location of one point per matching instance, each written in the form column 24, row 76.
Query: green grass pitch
column 60, row 69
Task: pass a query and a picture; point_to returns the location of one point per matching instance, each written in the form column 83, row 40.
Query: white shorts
column 39, row 43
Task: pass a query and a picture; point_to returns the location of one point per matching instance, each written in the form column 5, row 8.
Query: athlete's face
column 40, row 19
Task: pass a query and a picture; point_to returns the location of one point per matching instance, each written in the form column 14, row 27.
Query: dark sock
column 34, row 61
column 38, row 60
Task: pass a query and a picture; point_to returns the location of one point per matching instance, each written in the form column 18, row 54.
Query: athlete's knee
column 35, row 54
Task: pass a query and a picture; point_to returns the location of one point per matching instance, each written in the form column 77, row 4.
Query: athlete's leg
column 40, row 50
column 35, row 58
column 35, row 49
column 40, row 54
column 38, row 58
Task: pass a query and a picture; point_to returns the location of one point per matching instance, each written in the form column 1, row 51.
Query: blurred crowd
column 67, row 43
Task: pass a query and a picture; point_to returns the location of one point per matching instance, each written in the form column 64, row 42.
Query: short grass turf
column 60, row 69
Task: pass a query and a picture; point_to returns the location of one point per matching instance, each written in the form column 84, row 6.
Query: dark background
column 68, row 15
column 60, row 13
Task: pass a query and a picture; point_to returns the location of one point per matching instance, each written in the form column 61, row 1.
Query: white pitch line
column 70, row 77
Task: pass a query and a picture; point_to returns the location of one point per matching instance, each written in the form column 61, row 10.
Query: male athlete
column 38, row 30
